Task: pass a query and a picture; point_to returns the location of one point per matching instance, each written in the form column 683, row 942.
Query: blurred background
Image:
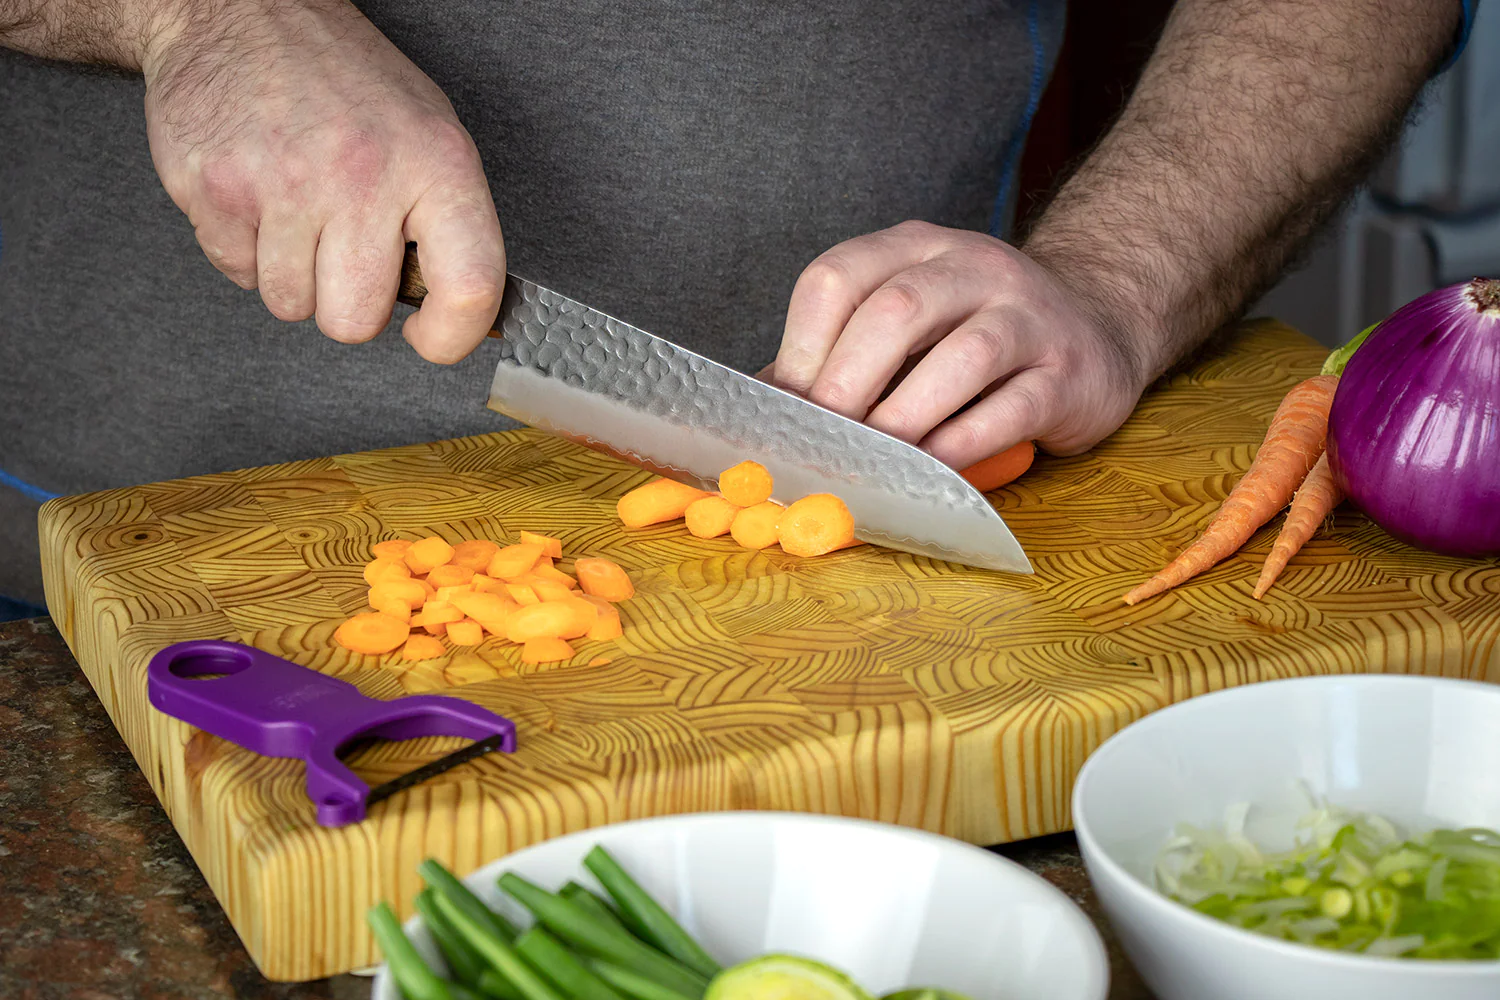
column 1429, row 217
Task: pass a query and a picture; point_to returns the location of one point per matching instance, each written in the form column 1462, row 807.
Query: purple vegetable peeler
column 281, row 709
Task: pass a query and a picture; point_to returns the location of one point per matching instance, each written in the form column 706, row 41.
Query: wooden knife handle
column 413, row 289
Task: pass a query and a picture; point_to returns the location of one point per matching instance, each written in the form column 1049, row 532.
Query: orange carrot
column 537, row 621
column 395, row 548
column 546, row 590
column 382, row 569
column 1314, row 501
column 422, row 647
column 401, row 589
column 487, row 584
column 483, row 607
column 755, row 527
column 746, row 485
column 426, row 554
column 475, row 554
column 710, row 517
column 607, row 624
column 514, row 560
column 444, row 595
column 657, row 501
column 466, row 633
column 372, row 632
column 389, row 604
column 449, row 575
column 522, row 594
column 1290, row 449
column 604, row 578
column 550, row 546
column 815, row 525
column 997, row 470
column 585, row 615
column 546, row 650
column 544, row 570
column 439, row 612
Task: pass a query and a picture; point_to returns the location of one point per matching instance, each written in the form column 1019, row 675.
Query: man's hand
column 306, row 150
column 968, row 316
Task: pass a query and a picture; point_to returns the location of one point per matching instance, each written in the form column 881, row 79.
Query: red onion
column 1414, row 430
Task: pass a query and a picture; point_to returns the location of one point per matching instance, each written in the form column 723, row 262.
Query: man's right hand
column 306, row 151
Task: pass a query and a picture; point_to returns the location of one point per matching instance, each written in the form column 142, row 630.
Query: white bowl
column 1423, row 752
column 890, row 906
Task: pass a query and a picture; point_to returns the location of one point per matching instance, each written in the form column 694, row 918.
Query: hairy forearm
column 1252, row 122
column 104, row 32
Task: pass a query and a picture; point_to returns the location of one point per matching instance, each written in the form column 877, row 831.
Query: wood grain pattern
column 867, row 683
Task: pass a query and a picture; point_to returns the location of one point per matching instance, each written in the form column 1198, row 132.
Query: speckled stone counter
column 103, row 901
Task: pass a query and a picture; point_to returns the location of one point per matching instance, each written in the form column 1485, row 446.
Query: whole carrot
column 1314, row 501
column 1291, row 448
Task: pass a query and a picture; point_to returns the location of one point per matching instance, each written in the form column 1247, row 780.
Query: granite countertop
column 105, row 902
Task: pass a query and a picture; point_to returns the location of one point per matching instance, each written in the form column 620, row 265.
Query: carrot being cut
column 709, row 517
column 657, row 501
column 997, row 470
column 755, row 527
column 550, row 546
column 1290, row 450
column 474, row 554
column 372, row 633
column 394, row 548
column 746, row 484
column 604, row 578
column 546, row 650
column 815, row 526
column 426, row 554
column 1316, row 499
column 423, row 647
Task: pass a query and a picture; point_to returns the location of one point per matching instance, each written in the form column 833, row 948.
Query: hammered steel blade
column 575, row 372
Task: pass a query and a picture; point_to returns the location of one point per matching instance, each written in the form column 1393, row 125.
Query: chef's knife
column 575, row 372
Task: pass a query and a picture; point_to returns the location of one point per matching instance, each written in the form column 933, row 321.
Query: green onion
column 447, row 884
column 497, row 951
column 597, row 907
column 632, row 984
column 572, row 922
column 467, row 964
column 645, row 913
column 552, row 959
column 1352, row 882
column 411, row 971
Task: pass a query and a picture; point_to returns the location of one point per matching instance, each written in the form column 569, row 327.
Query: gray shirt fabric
column 674, row 163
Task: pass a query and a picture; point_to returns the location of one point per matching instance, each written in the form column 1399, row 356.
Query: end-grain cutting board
column 866, row 683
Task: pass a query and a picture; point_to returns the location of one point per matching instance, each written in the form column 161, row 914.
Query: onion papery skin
column 1414, row 429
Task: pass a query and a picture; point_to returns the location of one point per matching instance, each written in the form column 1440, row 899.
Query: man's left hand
column 963, row 315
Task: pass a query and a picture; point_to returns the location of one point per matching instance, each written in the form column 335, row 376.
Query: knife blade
column 573, row 371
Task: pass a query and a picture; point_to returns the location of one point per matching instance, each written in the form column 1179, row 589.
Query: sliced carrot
column 546, row 571
column 466, row 633
column 550, row 546
column 372, row 632
column 657, row 501
column 436, row 612
column 449, row 575
column 436, row 628
column 402, row 589
column 483, row 607
column 815, row 525
column 755, row 527
column 444, row 595
column 474, row 554
column 1291, row 448
column 522, row 594
column 428, row 553
column 388, row 604
column 607, row 623
column 585, row 615
column 547, row 590
column 514, row 560
column 428, row 589
column 423, row 647
column 380, row 570
column 395, row 548
column 1313, row 502
column 604, row 578
column 546, row 650
column 536, row 621
column 999, row 469
column 487, row 584
column 495, row 628
column 746, row 484
column 710, row 517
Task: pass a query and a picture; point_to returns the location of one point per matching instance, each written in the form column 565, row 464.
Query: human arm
column 306, row 150
column 1252, row 121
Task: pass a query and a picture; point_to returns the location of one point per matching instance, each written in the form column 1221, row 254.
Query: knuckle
column 474, row 290
column 450, row 143
column 827, row 277
column 896, row 302
column 836, row 391
column 977, row 349
column 227, row 185
column 359, row 161
column 915, row 227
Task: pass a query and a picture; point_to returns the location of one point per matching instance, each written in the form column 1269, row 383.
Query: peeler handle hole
column 207, row 666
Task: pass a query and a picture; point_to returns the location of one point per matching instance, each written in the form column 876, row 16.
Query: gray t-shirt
column 674, row 163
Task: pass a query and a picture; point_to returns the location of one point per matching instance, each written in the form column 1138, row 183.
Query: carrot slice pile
column 425, row 591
